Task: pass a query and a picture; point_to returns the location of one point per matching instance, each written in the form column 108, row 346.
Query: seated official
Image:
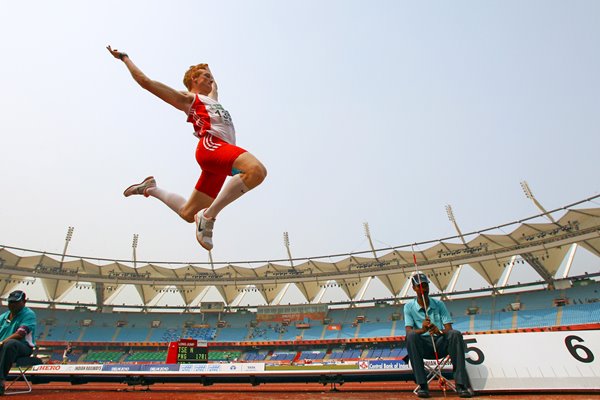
column 423, row 319
column 17, row 330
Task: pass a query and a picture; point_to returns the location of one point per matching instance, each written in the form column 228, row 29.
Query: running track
column 349, row 391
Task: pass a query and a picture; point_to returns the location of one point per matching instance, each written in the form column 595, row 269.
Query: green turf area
column 309, row 367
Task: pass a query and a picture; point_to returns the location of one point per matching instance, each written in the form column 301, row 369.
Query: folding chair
column 23, row 364
column 435, row 370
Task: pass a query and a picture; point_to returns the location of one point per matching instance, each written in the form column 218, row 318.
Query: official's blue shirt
column 25, row 318
column 414, row 314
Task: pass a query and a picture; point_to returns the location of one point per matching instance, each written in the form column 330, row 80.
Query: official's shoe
column 141, row 188
column 464, row 392
column 423, row 391
column 204, row 230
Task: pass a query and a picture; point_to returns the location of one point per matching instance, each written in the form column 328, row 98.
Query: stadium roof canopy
column 542, row 246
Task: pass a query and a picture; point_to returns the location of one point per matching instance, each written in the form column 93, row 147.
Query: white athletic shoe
column 204, row 230
column 141, row 188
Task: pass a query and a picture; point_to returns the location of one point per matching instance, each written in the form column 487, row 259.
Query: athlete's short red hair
column 192, row 73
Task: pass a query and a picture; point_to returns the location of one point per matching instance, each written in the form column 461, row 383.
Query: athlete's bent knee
column 187, row 214
column 255, row 175
column 261, row 173
column 188, row 218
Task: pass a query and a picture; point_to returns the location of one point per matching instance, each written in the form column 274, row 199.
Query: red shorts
column 216, row 158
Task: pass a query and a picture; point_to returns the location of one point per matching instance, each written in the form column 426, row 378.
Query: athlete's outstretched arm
column 179, row 100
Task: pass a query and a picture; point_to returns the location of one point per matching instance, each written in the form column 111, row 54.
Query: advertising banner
column 383, row 365
column 59, row 368
column 120, row 367
column 200, row 368
column 159, row 367
column 253, row 367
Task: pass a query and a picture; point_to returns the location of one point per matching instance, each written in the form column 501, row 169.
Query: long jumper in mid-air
column 216, row 152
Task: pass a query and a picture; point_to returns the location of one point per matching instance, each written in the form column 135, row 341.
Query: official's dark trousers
column 9, row 352
column 420, row 347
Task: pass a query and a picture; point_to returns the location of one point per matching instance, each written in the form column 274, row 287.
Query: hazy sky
column 362, row 111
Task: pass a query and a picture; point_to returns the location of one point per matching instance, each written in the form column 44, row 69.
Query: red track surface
column 349, row 391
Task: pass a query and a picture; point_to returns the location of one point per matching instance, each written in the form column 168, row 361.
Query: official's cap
column 17, row 295
column 418, row 278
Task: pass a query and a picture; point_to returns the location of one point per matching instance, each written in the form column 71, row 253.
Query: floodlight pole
column 67, row 241
column 363, row 290
column 286, row 243
column 456, row 273
column 134, row 244
column 210, row 259
column 451, row 218
column 368, row 235
column 530, row 196
column 62, row 258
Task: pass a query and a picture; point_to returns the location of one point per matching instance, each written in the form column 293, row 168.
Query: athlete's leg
column 148, row 188
column 172, row 200
column 207, row 189
column 184, row 208
column 253, row 172
column 197, row 201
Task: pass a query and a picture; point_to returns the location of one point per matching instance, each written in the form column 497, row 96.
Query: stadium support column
column 240, row 296
column 454, row 279
column 507, row 273
column 320, row 295
column 570, row 259
column 405, row 289
column 99, row 295
column 362, row 291
column 203, row 294
column 538, row 267
column 279, row 297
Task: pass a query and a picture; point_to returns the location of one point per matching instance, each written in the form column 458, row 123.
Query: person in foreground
column 216, row 152
column 17, row 330
column 422, row 326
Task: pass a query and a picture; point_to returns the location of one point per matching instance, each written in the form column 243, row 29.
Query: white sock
column 173, row 200
column 233, row 190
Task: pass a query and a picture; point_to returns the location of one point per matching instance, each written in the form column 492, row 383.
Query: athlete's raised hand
column 116, row 53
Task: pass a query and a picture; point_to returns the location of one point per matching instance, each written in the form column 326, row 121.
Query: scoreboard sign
column 187, row 351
